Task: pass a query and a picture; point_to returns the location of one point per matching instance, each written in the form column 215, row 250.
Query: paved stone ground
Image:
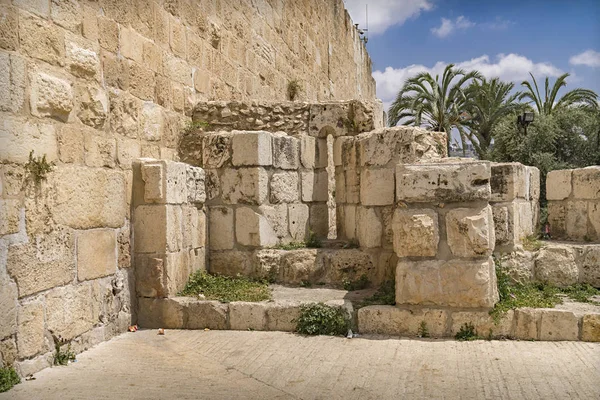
column 275, row 365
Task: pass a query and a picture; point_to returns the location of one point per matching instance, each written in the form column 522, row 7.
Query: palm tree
column 488, row 102
column 550, row 102
column 434, row 103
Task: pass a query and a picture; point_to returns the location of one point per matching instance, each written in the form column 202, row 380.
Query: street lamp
column 525, row 120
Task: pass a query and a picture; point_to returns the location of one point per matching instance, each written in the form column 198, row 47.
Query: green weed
column 313, row 242
column 8, row 378
column 293, row 89
column 62, row 357
column 322, row 319
column 467, row 332
column 225, row 288
column 386, row 295
column 357, row 284
column 38, row 167
column 423, row 330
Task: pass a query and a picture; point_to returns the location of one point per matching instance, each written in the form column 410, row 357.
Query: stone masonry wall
column 94, row 85
column 574, row 204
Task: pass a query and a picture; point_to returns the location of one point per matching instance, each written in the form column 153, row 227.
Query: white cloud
column 589, row 58
column 385, row 13
column 508, row 67
column 448, row 26
column 497, row 24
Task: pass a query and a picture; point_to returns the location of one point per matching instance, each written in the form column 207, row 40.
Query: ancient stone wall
column 94, row 85
column 574, row 204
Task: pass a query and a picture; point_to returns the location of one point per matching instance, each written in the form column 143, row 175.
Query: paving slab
column 275, row 365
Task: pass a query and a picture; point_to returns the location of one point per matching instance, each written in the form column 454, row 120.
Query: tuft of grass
column 313, row 242
column 322, row 319
column 467, row 332
column 196, row 125
column 62, row 357
column 305, row 284
column 581, row 292
column 38, row 168
column 357, row 284
column 386, row 295
column 423, row 331
column 532, row 243
column 8, row 379
column 225, row 288
column 291, row 246
column 293, row 89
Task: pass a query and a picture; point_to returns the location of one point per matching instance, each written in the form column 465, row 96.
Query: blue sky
column 499, row 38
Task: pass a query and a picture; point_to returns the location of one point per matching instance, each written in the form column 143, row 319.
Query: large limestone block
column 589, row 266
column 557, row 219
column 377, row 187
column 10, row 215
column 330, row 119
column 41, row 39
column 594, row 219
column 352, row 185
column 8, row 308
column 164, row 181
column 216, row 150
column 160, row 313
column 485, row 326
column 245, row 316
column 220, row 228
column 454, row 283
column 558, row 184
column 534, row 183
column 416, row 232
column 51, row 96
column 470, row 231
column 157, row 228
column 149, row 276
column 527, row 323
column 30, row 337
column 18, row 138
column 528, row 214
column 307, row 151
column 277, row 218
column 590, row 328
column 369, row 228
column 504, row 217
column 586, row 183
column 245, row 186
column 253, row 229
column 283, row 316
column 348, row 265
column 230, row 263
column 286, row 152
column 315, row 186
column 89, row 198
column 206, row 314
column 177, row 270
column 298, row 221
column 509, row 181
column 519, row 265
column 195, row 182
column 69, row 311
column 350, row 221
column 9, row 24
column 559, row 325
column 576, row 220
column 82, row 60
column 96, row 253
column 125, row 113
column 445, row 182
column 47, row 263
column 194, row 227
column 390, row 320
column 555, row 264
column 251, row 148
column 99, row 150
column 284, row 187
column 300, row 265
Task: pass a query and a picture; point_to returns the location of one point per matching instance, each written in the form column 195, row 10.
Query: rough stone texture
column 157, row 228
column 485, row 326
column 286, row 152
column 18, row 138
column 443, row 182
column 96, row 254
column 589, row 266
column 586, row 183
column 247, row 316
column 556, row 265
column 10, row 211
column 527, row 323
column 283, row 317
column 160, row 313
column 453, row 283
column 509, row 181
column 369, row 228
column 8, row 309
column 390, row 320
column 559, row 325
column 230, row 263
column 221, row 228
column 206, row 314
column 470, row 231
column 590, row 328
column 377, row 187
column 519, row 265
column 314, row 186
column 69, row 311
column 51, row 96
column 30, row 338
column 251, row 148
column 244, row 185
column 253, row 229
column 284, row 187
column 298, row 220
column 558, row 184
column 416, row 232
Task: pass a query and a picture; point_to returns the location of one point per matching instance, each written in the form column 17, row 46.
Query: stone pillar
column 443, row 234
column 169, row 225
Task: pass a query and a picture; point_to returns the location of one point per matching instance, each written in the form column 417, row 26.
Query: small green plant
column 293, row 89
column 225, row 288
column 305, row 284
column 467, row 332
column 322, row 319
column 386, row 295
column 8, row 378
column 532, row 243
column 313, row 242
column 196, row 125
column 352, row 244
column 38, row 167
column 291, row 246
column 62, row 357
column 357, row 284
column 581, row 292
column 423, row 331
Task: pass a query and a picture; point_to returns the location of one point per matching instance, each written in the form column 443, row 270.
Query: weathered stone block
column 149, row 276
column 504, row 224
column 251, row 148
column 283, row 316
column 590, row 328
column 9, row 27
column 485, row 326
column 390, row 320
column 89, row 198
column 30, row 336
column 160, row 313
column 454, row 283
column 194, row 227
column 445, row 182
column 300, row 265
column 195, row 182
column 164, row 181
column 8, row 308
column 284, row 187
column 307, row 151
column 314, row 186
column 519, row 265
column 125, row 113
column 352, row 186
column 377, row 187
column 555, row 264
column 557, row 219
column 247, row 316
column 10, row 215
column 534, row 183
column 245, row 186
column 83, row 61
column 576, row 220
column 559, row 325
column 558, row 184
column 527, row 323
column 221, row 228
column 206, row 314
column 153, row 124
column 416, row 232
column 69, row 311
column 286, row 152
column 96, row 254
column 509, row 181
column 33, row 32
column 369, row 228
column 470, row 231
column 216, row 150
column 253, row 229
column 277, row 218
column 99, row 151
column 50, row 96
column 93, row 106
column 230, row 263
column 157, row 228
column 18, row 138
column 589, row 266
column 586, row 183
column 298, row 220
